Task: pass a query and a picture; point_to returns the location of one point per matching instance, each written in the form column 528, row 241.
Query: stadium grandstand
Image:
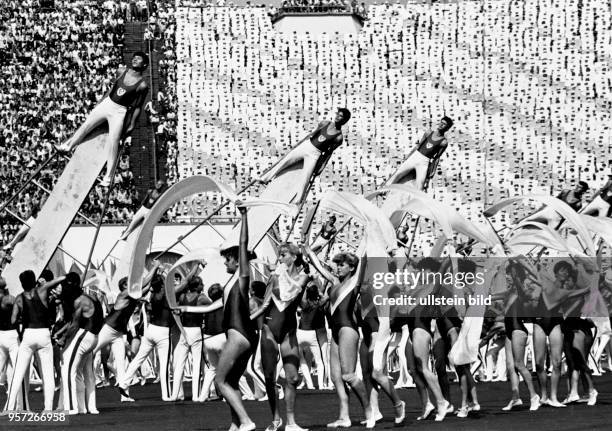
column 527, row 84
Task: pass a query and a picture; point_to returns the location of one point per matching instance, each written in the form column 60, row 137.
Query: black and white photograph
column 294, row 215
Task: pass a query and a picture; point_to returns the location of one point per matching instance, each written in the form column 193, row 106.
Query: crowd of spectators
column 318, row 6
column 56, row 62
column 527, row 84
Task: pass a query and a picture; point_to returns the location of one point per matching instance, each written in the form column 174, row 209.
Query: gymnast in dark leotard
column 547, row 323
column 449, row 324
column 516, row 334
column 419, row 324
column 373, row 364
column 240, row 330
column 345, row 337
column 283, row 296
column 571, row 285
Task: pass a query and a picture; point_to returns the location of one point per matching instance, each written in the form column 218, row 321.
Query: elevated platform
column 317, row 23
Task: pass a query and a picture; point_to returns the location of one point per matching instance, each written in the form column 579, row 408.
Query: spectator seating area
column 527, row 84
column 57, row 63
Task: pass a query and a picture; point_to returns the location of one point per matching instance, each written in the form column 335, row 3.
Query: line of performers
column 246, row 326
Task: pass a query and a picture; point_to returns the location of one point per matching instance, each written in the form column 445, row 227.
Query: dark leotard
column 190, row 320
column 236, row 313
column 367, row 316
column 323, row 141
column 123, row 94
column 343, row 314
column 213, row 323
column 150, row 198
column 420, row 317
column 569, row 198
column 546, row 319
column 429, row 147
column 606, row 193
column 313, row 318
column 448, row 322
column 513, row 322
column 282, row 323
column 160, row 310
column 118, row 319
column 6, row 312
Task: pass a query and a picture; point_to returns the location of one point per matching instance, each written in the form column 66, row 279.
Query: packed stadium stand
column 527, row 83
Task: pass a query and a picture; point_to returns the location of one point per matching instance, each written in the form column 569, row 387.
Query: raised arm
column 244, row 272
column 312, row 257
column 183, row 284
column 146, row 281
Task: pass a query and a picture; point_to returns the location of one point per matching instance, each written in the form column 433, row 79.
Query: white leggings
column 115, row 338
column 193, row 344
column 416, row 162
column 157, row 337
column 308, row 340
column 9, row 345
column 35, row 340
column 78, row 379
column 306, row 152
column 114, row 115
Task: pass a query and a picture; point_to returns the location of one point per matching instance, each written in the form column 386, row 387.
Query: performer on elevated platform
column 424, row 158
column 123, row 102
column 572, row 197
column 315, row 151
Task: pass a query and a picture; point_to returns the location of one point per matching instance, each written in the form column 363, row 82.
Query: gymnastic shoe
column 275, row 425
column 512, row 404
column 556, row 404
column 247, row 427
column 429, row 408
column 295, row 427
column 340, row 423
column 125, row 399
column 400, row 412
column 534, row 403
column 571, row 398
column 592, row 398
column 378, row 416
column 443, row 410
column 463, row 412
column 123, row 390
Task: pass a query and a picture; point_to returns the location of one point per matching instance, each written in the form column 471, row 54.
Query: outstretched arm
column 201, row 308
column 50, row 285
column 146, row 281
column 267, row 298
column 19, row 236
